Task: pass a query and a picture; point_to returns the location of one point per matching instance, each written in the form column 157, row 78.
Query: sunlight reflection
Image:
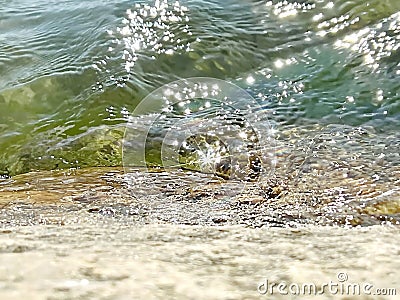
column 152, row 28
column 286, row 9
column 375, row 43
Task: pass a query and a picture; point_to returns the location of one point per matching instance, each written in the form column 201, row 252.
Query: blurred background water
column 71, row 72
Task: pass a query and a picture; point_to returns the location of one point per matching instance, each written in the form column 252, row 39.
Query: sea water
column 325, row 73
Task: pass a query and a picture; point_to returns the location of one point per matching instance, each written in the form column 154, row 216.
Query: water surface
column 75, row 225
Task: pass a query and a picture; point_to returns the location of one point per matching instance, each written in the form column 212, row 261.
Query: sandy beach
column 93, row 238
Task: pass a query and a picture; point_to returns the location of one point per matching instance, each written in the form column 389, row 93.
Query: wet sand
column 102, row 234
column 105, row 259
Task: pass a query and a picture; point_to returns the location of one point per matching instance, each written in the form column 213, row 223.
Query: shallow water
column 66, row 93
column 326, row 75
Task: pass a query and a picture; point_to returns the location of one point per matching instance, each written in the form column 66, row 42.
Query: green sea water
column 327, row 72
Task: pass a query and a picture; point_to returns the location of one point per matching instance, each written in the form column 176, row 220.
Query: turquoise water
column 71, row 72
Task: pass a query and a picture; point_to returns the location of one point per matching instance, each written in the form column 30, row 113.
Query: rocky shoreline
column 102, row 234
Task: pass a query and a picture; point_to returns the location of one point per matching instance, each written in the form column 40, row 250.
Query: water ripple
column 70, row 73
